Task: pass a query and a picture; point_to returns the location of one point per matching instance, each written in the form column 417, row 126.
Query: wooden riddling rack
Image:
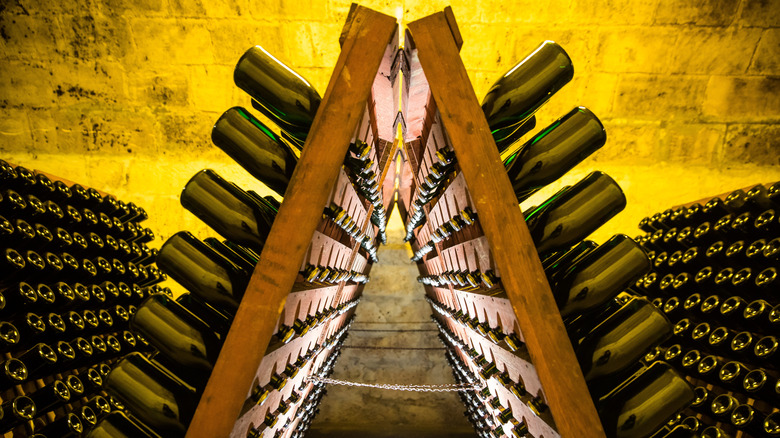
column 359, row 104
column 442, row 112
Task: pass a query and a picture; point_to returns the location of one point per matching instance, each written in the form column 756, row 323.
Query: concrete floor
column 394, row 317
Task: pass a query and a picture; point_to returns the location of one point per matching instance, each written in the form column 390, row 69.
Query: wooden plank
column 367, row 35
column 502, row 221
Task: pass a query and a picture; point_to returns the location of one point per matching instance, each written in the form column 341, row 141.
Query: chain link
column 447, row 387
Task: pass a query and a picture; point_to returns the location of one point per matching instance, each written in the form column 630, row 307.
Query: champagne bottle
column 180, row 336
column 227, row 209
column 513, row 98
column 16, row 411
column 622, row 339
column 556, row 149
column 203, row 271
column 117, row 425
column 600, row 275
column 164, row 403
column 255, row 147
column 643, row 404
column 279, row 92
column 573, row 214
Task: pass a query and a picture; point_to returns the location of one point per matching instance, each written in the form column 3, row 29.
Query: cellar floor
column 392, row 340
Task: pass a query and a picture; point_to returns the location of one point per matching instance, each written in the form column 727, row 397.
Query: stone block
column 614, row 12
column 596, row 92
column 135, row 7
column 696, row 12
column 713, row 50
column 211, row 87
column 169, row 42
column 305, row 10
column 760, row 13
column 209, row 8
column 26, row 84
column 160, row 88
column 232, row 38
column 188, row 131
column 15, row 132
column 664, row 98
column 44, row 130
column 28, row 37
column 695, row 144
column 310, row 44
column 749, row 98
column 752, row 144
column 90, row 35
column 766, row 60
column 96, row 81
column 629, row 141
column 635, row 50
column 84, row 130
column 524, row 11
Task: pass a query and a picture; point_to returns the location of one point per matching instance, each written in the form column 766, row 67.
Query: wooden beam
column 502, row 221
column 367, row 35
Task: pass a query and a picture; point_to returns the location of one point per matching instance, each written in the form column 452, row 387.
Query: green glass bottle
column 162, row 402
column 278, row 91
column 571, row 215
column 227, row 209
column 203, row 271
column 621, row 339
column 600, row 275
column 514, row 97
column 554, row 151
column 255, row 147
column 180, row 336
column 645, row 403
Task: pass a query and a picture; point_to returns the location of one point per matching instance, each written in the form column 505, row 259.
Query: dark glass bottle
column 622, row 339
column 117, row 425
column 572, row 215
column 514, row 97
column 227, row 209
column 50, row 396
column 554, row 151
column 279, row 93
column 600, row 275
column 65, row 427
column 203, row 271
column 255, row 147
column 161, row 401
column 16, row 411
column 644, row 403
column 180, row 336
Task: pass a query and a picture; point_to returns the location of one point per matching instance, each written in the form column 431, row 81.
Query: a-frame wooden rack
column 361, row 103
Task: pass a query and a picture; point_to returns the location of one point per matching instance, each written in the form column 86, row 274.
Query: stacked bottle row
column 610, row 330
column 76, row 267
column 714, row 276
column 188, row 332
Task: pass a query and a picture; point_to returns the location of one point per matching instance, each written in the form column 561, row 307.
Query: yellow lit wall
column 122, row 94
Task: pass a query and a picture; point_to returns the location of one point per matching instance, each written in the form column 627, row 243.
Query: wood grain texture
column 367, row 35
column 502, row 221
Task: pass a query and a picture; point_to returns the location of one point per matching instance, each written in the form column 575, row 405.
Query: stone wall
column 122, row 94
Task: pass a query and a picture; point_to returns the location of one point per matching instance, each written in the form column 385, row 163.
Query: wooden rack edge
column 502, row 221
column 367, row 35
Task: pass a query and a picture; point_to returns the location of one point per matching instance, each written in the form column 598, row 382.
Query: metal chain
column 447, row 387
